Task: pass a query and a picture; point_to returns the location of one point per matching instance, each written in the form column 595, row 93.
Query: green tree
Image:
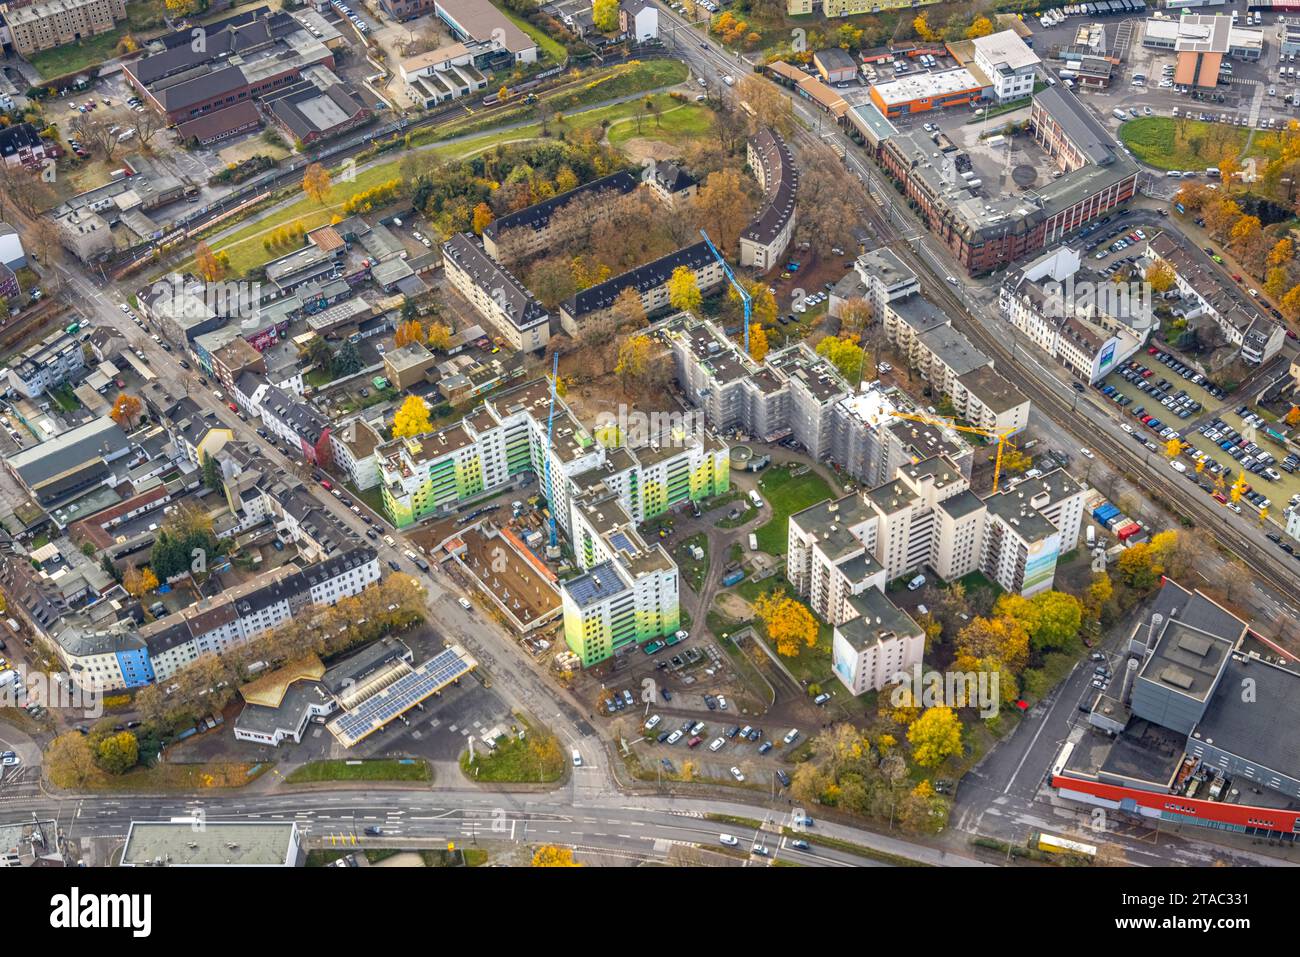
column 347, row 360
column 211, row 473
column 1052, row 618
column 605, row 15
column 844, row 354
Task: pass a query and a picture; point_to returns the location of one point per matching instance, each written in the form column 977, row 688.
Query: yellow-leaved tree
column 935, row 736
column 787, row 622
column 548, row 855
column 412, row 418
column 684, row 289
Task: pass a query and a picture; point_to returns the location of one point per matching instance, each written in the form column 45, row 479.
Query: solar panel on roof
column 401, row 695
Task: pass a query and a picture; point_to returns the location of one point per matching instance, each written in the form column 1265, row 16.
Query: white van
column 915, row 583
column 577, row 758
column 1034, row 473
column 1092, row 536
column 791, row 735
column 1119, row 114
column 755, row 499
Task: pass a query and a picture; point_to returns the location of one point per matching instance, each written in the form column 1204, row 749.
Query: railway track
column 1258, row 556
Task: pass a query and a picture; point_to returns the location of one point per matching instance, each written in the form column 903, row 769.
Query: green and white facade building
column 628, row 590
column 507, row 436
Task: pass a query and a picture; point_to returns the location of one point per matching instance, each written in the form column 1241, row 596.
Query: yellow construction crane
column 944, row 423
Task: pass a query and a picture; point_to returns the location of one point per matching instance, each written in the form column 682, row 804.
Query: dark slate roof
column 672, row 177
column 644, row 277
column 304, row 420
column 1260, row 730
column 782, row 179
column 539, row 215
column 20, row 136
column 468, row 253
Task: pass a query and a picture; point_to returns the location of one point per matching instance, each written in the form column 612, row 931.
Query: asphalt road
column 641, row 827
column 590, row 811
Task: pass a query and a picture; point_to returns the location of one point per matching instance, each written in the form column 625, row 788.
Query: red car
column 1236, row 278
column 694, row 741
column 325, row 485
column 1152, row 350
column 232, row 407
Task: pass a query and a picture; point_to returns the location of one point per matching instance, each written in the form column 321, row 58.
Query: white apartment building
column 941, row 355
column 879, row 642
column 764, row 241
column 629, row 591
column 239, row 614
column 354, row 447
column 928, row 519
column 47, row 364
column 1029, row 525
column 1007, row 63
column 1090, row 331
column 495, row 294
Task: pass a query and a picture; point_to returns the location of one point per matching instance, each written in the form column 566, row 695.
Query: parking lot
column 724, row 749
column 1158, row 387
column 1262, row 94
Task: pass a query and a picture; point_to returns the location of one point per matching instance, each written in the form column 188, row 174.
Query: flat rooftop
column 927, row 86
column 1186, row 659
column 215, row 843
column 1262, row 730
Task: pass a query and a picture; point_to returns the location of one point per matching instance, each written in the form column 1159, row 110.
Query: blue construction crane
column 745, row 297
column 550, row 430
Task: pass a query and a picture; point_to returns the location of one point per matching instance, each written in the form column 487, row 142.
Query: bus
column 1063, row 845
column 1062, row 759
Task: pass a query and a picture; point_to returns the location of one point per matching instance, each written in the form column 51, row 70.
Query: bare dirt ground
column 404, row 859
column 251, row 146
column 734, row 607
column 641, row 148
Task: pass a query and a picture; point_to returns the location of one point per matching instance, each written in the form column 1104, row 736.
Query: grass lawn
column 245, row 245
column 677, row 123
column 60, row 61
column 692, row 570
column 786, row 494
column 545, row 41
column 64, row 398
column 318, row 377
column 536, row 759
column 382, row 770
column 371, row 496
column 1166, row 142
